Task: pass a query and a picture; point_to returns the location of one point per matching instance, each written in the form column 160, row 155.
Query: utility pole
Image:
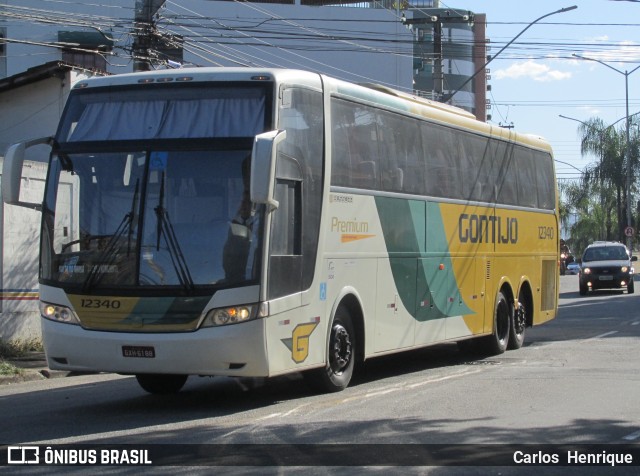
column 143, row 32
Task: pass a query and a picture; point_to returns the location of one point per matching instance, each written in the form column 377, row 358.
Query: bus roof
column 207, row 74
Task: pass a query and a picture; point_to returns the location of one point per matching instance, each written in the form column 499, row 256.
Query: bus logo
column 298, row 344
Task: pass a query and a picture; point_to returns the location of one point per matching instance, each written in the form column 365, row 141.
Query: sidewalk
column 34, row 367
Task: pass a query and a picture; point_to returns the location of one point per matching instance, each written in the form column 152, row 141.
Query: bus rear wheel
column 161, row 384
column 497, row 342
column 336, row 375
column 517, row 328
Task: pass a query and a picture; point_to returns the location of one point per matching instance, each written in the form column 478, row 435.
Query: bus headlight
column 58, row 313
column 624, row 269
column 586, row 270
column 229, row 315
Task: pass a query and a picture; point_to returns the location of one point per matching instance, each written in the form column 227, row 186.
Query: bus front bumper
column 233, row 350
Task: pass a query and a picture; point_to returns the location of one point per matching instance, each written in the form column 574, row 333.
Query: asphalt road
column 575, row 381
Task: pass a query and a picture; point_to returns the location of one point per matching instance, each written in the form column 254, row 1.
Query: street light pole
column 484, row 67
column 627, row 148
column 570, row 165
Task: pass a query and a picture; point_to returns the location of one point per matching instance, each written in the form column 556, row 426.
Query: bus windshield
column 131, row 202
column 161, row 218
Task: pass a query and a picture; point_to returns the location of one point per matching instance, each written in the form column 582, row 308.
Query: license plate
column 606, row 278
column 139, row 351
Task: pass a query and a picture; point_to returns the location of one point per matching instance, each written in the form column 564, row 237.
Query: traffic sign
column 628, row 231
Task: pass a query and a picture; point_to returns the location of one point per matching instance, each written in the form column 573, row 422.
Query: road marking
column 404, row 386
column 635, row 323
column 441, row 379
column 600, row 336
column 633, row 436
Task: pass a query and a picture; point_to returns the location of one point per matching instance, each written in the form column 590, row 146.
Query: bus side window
column 507, row 181
column 392, row 179
column 340, row 148
column 482, row 189
column 365, row 174
column 544, row 175
column 528, row 196
column 443, row 167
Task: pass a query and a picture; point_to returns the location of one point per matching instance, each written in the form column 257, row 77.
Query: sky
column 536, row 79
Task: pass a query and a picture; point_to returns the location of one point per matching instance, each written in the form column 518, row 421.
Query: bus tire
column 517, row 327
column 161, row 384
column 341, row 356
column 630, row 286
column 497, row 342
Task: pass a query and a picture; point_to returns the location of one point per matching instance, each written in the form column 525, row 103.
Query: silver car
column 573, row 268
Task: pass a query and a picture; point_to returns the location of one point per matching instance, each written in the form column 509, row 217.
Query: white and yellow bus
column 245, row 222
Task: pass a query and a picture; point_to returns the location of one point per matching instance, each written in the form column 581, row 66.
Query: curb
column 30, row 375
column 32, row 366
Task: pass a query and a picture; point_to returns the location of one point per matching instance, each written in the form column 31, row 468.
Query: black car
column 606, row 265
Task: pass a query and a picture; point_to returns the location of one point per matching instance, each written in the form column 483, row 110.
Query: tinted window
column 381, row 150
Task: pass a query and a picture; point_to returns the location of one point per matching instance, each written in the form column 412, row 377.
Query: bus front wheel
column 161, row 384
column 336, row 374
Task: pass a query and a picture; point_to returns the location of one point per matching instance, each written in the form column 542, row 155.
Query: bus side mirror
column 12, row 172
column 263, row 167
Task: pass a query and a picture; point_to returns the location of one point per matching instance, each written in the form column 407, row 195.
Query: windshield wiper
column 165, row 229
column 107, row 257
column 132, row 214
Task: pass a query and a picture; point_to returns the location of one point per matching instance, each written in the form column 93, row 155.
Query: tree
column 589, row 206
column 608, row 173
column 599, row 198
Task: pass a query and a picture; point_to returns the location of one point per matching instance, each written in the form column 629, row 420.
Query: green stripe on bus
column 427, row 289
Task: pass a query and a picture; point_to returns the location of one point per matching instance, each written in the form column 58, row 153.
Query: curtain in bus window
column 544, row 173
column 528, row 195
column 480, row 173
column 443, row 167
column 507, row 179
column 397, row 136
column 341, row 158
column 468, row 159
column 363, row 146
column 128, row 120
column 355, row 145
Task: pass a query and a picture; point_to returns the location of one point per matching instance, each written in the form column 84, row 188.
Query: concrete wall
column 29, row 112
column 19, row 242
